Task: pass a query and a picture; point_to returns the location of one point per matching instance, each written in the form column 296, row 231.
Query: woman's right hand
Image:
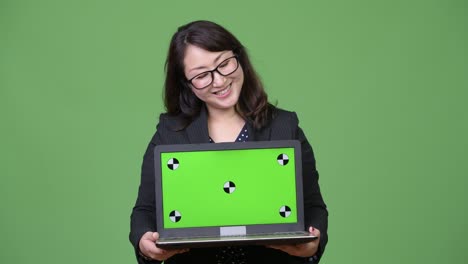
column 149, row 249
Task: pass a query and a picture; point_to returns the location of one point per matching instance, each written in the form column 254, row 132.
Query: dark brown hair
column 179, row 99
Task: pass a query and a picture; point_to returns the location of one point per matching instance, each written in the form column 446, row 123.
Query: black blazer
column 283, row 126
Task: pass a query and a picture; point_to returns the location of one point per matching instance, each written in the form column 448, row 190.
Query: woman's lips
column 223, row 92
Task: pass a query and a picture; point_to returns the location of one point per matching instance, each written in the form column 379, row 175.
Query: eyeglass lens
column 225, row 68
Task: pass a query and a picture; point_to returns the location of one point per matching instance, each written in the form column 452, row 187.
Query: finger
column 147, row 243
column 278, row 246
column 184, row 250
column 152, row 236
column 179, row 251
column 285, row 248
column 314, row 231
column 155, row 236
column 152, row 248
column 170, row 253
column 159, row 254
column 274, row 246
column 159, row 251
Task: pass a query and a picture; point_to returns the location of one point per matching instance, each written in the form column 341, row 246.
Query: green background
column 380, row 88
column 195, row 188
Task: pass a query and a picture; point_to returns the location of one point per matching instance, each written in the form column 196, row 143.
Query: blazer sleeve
column 143, row 217
column 315, row 210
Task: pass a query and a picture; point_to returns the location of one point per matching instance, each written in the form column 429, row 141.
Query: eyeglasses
column 225, row 68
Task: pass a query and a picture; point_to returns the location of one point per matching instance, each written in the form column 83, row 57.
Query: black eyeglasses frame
column 212, row 72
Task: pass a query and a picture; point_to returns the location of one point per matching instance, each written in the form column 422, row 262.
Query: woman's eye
column 201, row 76
column 224, row 64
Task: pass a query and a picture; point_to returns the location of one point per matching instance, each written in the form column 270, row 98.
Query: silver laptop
column 219, row 194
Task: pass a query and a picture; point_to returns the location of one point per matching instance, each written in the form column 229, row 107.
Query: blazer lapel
column 197, row 131
column 259, row 135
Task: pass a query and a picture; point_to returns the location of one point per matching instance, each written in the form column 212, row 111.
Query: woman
column 212, row 93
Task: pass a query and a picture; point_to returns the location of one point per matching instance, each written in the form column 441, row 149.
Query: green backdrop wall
column 380, row 88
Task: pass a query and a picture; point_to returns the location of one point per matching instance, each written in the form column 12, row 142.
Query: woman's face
column 224, row 91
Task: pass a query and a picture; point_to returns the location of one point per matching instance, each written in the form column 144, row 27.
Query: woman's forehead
column 197, row 58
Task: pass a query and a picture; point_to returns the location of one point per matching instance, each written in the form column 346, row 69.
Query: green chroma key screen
column 228, row 187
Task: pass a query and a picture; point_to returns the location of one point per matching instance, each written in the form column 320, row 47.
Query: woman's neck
column 224, row 126
column 223, row 115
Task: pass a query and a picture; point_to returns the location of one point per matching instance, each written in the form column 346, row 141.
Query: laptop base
column 254, row 239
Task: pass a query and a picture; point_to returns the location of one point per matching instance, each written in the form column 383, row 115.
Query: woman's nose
column 218, row 79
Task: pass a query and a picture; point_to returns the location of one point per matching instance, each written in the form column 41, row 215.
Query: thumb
column 314, row 231
column 155, row 236
column 152, row 236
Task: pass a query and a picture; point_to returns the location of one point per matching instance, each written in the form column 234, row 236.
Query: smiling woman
column 219, row 88
column 212, row 94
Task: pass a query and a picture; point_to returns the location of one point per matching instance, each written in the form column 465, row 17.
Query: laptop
column 227, row 194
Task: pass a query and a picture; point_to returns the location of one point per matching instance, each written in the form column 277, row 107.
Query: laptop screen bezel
column 215, row 230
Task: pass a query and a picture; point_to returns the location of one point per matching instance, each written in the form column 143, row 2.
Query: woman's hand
column 301, row 250
column 149, row 249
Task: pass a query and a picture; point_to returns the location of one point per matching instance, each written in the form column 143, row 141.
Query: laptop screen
column 228, row 187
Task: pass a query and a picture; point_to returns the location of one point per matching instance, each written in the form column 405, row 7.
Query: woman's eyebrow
column 216, row 60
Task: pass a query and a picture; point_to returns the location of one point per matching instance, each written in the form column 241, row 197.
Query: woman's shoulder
column 171, row 122
column 283, row 125
column 281, row 115
column 169, row 130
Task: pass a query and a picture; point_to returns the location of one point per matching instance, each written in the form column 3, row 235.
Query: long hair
column 179, row 99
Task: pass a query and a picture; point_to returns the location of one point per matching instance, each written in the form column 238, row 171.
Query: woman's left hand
column 301, row 250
